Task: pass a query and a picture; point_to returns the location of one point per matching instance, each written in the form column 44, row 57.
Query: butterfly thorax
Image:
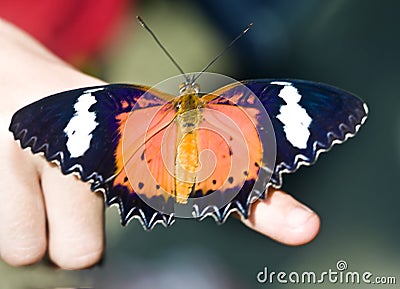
column 188, row 111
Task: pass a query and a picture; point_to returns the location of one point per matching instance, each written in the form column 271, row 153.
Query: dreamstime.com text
column 339, row 275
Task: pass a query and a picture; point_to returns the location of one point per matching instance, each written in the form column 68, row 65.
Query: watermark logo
column 339, row 275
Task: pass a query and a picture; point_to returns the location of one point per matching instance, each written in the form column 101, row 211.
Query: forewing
column 82, row 130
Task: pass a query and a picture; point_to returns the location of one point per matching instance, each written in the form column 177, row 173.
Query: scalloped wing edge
column 301, row 160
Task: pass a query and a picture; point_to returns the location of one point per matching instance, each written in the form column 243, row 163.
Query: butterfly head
column 189, row 88
column 189, row 97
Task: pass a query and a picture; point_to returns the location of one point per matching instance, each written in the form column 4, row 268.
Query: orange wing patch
column 235, row 144
column 221, row 154
column 140, row 163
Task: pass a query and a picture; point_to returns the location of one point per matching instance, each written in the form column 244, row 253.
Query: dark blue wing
column 308, row 118
column 79, row 129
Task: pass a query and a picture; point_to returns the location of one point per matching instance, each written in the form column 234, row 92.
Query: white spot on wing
column 295, row 119
column 81, row 125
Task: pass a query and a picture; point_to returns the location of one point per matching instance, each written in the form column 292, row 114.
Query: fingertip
column 303, row 233
column 75, row 220
column 284, row 219
column 76, row 258
column 23, row 252
column 23, row 239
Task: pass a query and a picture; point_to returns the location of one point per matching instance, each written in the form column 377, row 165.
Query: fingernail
column 298, row 216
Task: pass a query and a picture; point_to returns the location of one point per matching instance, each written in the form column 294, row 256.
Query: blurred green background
column 354, row 45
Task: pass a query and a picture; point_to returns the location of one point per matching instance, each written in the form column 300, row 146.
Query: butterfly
column 156, row 155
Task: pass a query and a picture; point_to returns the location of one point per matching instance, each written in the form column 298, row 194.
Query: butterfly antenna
column 222, row 52
column 144, row 25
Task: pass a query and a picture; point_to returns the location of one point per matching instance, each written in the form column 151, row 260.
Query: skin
column 35, row 197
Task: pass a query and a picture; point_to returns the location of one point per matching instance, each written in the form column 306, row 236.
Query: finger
column 75, row 219
column 283, row 219
column 22, row 213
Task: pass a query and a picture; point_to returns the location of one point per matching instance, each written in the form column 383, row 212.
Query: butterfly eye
column 183, row 87
column 196, row 87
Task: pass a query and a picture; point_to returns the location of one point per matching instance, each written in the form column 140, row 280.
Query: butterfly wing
column 83, row 130
column 236, row 128
column 307, row 118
